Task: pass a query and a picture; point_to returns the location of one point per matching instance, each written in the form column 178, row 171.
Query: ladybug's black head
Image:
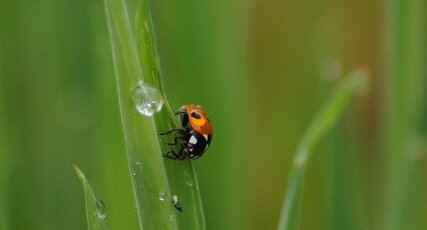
column 182, row 116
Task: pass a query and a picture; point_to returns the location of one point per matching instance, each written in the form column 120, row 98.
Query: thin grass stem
column 323, row 121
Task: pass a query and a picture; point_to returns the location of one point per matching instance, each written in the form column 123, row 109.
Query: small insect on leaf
column 176, row 203
column 194, row 136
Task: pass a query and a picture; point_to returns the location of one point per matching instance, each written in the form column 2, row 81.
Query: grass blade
column 2, row 222
column 405, row 87
column 181, row 174
column 149, row 179
column 95, row 209
column 328, row 115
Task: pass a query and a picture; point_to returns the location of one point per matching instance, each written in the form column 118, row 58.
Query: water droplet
column 147, row 99
column 188, row 179
column 133, row 173
column 163, row 196
column 172, row 218
column 189, row 182
column 100, row 209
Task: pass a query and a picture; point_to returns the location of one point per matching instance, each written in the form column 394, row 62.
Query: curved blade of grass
column 181, row 174
column 149, row 179
column 95, row 212
column 327, row 116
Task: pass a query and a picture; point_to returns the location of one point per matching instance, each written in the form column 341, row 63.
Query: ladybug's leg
column 168, row 155
column 183, row 136
column 184, row 153
column 182, row 156
column 196, row 157
column 175, row 140
column 171, row 131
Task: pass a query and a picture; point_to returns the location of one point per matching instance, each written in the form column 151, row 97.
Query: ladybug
column 194, row 136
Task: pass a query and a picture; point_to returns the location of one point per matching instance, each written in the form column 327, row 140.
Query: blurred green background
column 261, row 69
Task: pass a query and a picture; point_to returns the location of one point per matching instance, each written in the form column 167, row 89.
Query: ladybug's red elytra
column 194, row 136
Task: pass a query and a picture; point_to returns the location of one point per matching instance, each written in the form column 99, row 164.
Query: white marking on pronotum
column 193, row 140
column 206, row 136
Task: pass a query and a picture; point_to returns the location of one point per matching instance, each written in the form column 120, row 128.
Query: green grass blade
column 181, row 174
column 323, row 121
column 405, row 86
column 150, row 64
column 2, row 149
column 2, row 222
column 95, row 210
column 149, row 179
